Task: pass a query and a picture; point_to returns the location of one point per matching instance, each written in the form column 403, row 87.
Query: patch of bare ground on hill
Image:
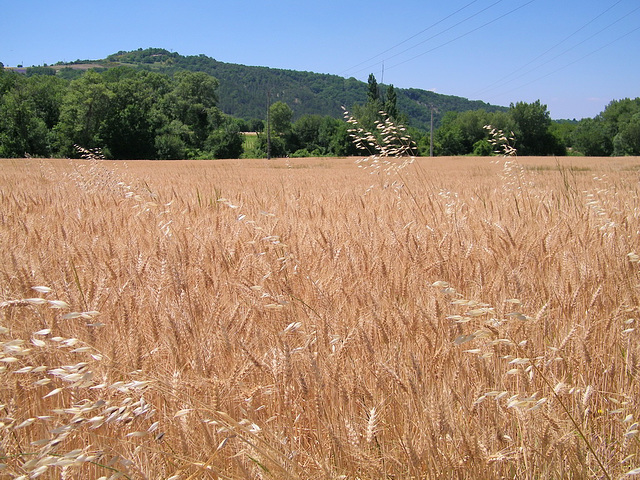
column 78, row 66
column 462, row 317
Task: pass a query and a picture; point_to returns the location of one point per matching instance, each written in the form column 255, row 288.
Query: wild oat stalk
column 89, row 153
column 496, row 332
column 73, row 404
column 390, row 151
column 502, row 145
column 513, row 174
column 391, row 141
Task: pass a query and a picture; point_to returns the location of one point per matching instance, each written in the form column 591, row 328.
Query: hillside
column 243, row 89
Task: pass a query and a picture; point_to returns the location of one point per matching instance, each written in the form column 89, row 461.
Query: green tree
column 278, row 146
column 68, row 73
column 47, row 93
column 532, row 130
column 30, row 108
column 315, row 135
column 391, row 103
column 375, row 112
column 618, row 113
column 170, row 143
column 373, row 93
column 8, row 80
column 341, row 144
column 627, row 140
column 421, row 139
column 591, row 138
column 459, row 132
column 368, row 115
column 82, row 113
column 197, row 88
column 619, row 122
column 482, row 148
column 306, row 133
column 448, row 139
column 563, row 131
column 132, row 113
column 22, row 131
column 226, row 141
column 40, row 71
column 280, row 115
column 333, row 139
column 128, row 128
column 256, row 125
column 502, row 121
column 193, row 101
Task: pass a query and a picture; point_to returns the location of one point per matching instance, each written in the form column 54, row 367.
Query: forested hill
column 243, row 89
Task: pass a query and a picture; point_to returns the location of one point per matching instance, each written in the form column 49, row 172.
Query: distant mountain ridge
column 243, row 89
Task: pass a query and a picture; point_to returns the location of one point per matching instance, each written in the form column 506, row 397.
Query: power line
column 504, row 81
column 411, row 37
column 440, row 33
column 575, row 61
column 464, row 34
column 538, row 61
column 488, row 88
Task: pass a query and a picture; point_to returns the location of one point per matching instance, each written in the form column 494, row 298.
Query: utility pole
column 268, row 124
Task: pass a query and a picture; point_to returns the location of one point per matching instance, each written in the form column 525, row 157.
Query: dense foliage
column 243, row 89
column 160, row 105
column 126, row 112
column 463, row 133
column 614, row 132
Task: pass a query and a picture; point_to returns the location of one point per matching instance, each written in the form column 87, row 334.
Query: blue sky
column 575, row 56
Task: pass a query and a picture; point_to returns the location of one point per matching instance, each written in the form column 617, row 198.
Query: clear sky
column 575, row 56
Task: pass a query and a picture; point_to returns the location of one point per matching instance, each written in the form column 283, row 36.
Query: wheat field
column 304, row 319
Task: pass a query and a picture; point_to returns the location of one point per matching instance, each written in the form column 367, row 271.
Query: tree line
column 243, row 89
column 614, row 132
column 133, row 113
column 128, row 113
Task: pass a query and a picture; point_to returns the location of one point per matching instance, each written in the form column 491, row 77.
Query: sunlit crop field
column 307, row 318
